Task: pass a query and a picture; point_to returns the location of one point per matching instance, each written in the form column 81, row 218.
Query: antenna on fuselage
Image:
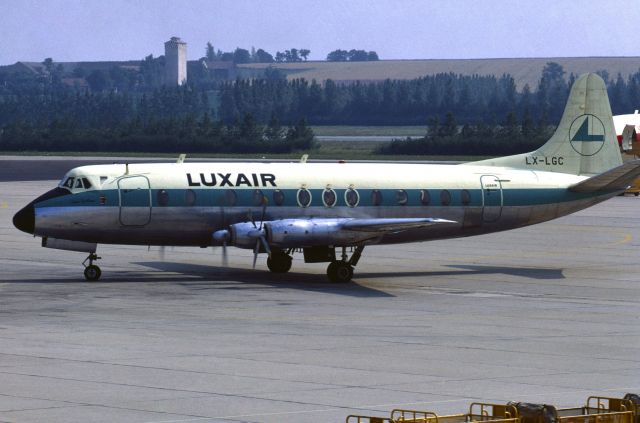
column 304, row 158
column 181, row 158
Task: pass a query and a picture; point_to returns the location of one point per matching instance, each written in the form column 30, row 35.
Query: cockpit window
column 69, row 182
column 73, row 182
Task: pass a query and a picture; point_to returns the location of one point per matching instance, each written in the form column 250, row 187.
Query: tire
column 340, row 272
column 279, row 263
column 636, row 193
column 92, row 273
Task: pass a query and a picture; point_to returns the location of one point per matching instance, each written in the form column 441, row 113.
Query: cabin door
column 135, row 200
column 491, row 198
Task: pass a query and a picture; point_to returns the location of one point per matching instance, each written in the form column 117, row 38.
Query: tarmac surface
column 549, row 314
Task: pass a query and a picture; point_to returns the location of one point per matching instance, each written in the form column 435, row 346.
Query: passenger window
column 329, row 197
column 401, row 197
column 190, row 197
column 304, row 197
column 230, row 197
column 445, row 197
column 376, row 197
column 258, row 198
column 163, row 198
column 278, row 197
column 425, row 198
column 86, row 183
column 465, row 197
column 351, row 197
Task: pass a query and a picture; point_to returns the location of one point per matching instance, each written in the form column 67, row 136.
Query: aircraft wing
column 618, row 178
column 390, row 225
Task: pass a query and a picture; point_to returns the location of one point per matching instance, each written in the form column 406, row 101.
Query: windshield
column 75, row 183
column 68, row 183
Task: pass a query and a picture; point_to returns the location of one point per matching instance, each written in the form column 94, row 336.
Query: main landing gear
column 279, row 261
column 91, row 272
column 340, row 271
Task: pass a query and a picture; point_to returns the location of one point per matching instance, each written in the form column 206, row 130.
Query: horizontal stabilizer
column 390, row 225
column 617, row 179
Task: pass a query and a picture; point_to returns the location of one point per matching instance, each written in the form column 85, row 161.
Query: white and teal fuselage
column 169, row 204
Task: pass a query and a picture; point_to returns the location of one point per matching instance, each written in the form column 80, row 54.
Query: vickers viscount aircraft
column 330, row 212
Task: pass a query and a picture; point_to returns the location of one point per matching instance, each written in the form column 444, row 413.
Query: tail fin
column 585, row 141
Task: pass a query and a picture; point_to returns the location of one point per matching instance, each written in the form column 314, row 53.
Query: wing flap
column 617, row 179
column 391, row 225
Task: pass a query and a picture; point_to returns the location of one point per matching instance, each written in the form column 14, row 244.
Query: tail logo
column 587, row 135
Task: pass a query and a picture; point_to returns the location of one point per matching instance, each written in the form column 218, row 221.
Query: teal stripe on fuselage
column 216, row 197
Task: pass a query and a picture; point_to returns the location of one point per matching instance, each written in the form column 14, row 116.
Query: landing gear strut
column 279, row 261
column 342, row 270
column 91, row 272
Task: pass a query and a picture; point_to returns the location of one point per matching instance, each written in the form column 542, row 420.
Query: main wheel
column 92, row 273
column 279, row 263
column 339, row 271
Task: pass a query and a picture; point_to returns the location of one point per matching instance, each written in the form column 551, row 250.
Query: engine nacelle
column 293, row 233
column 245, row 235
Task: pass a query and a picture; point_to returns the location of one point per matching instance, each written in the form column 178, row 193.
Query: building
column 175, row 54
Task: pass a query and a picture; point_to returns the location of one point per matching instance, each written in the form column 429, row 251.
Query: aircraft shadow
column 293, row 280
column 526, row 272
column 210, row 277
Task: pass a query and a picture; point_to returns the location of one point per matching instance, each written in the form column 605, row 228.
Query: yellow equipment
column 597, row 410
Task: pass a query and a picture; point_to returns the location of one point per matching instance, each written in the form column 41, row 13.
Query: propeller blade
column 161, row 253
column 225, row 258
column 264, row 210
column 255, row 252
column 250, row 217
column 265, row 244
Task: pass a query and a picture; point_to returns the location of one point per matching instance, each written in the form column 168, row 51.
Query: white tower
column 175, row 55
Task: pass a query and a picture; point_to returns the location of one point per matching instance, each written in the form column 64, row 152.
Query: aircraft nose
column 25, row 219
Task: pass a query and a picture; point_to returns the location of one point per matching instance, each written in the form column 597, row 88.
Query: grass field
column 343, row 130
column 523, row 70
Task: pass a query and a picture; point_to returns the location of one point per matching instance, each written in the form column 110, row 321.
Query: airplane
column 627, row 129
column 331, row 211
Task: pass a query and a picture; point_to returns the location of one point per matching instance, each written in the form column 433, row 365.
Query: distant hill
column 523, row 70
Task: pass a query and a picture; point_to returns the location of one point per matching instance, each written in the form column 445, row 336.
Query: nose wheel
column 91, row 272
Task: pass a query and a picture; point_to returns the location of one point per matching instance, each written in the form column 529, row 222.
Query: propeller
column 222, row 236
column 259, row 233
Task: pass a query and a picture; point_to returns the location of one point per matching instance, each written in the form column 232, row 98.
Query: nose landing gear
column 91, row 272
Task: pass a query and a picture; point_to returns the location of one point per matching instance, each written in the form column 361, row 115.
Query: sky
column 92, row 30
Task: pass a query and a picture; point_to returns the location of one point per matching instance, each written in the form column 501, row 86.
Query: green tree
column 98, row 80
column 263, row 57
column 241, row 55
column 210, row 52
column 338, row 56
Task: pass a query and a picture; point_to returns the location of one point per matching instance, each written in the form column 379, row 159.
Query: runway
column 549, row 314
